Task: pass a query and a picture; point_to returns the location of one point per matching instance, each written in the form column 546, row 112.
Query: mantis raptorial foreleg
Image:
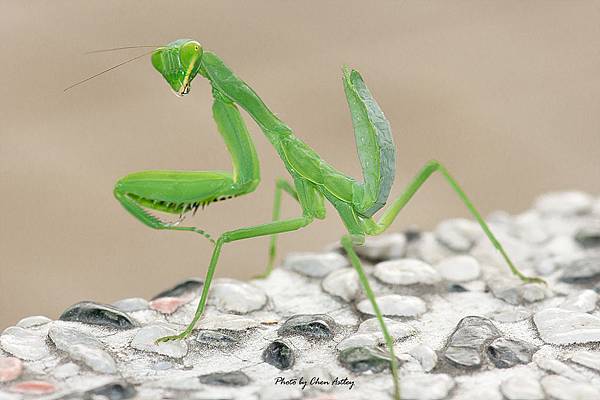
column 434, row 166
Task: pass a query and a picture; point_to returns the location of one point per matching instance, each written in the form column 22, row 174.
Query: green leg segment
column 280, row 185
column 150, row 220
column 434, row 166
column 348, row 246
column 271, row 228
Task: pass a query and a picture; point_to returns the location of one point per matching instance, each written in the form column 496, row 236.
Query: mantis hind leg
column 271, row 228
column 347, row 243
column 434, row 166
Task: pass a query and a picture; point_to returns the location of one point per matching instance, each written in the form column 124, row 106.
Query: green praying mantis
column 313, row 180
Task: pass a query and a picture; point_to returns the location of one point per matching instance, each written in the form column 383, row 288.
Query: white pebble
column 394, row 305
column 426, row 356
column 343, row 283
column 406, row 271
column 459, row 268
column 584, row 301
column 522, row 387
column 145, row 340
column 315, row 265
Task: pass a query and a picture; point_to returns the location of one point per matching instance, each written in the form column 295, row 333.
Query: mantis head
column 178, row 63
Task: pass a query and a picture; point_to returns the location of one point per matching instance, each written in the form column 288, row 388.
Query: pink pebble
column 33, row 387
column 167, row 305
column 10, row 368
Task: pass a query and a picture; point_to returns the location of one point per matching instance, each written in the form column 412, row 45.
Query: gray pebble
column 314, row 326
column 465, row 345
column 363, row 359
column 506, row 353
column 234, row 378
column 315, row 265
column 215, row 338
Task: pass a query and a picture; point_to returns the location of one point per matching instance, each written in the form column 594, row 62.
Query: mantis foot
column 531, row 279
column 181, row 336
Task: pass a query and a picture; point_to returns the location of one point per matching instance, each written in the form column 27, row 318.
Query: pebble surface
column 559, row 326
column 463, row 328
column 394, row 305
column 407, row 271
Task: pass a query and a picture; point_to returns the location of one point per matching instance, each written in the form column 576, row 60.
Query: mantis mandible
column 313, row 180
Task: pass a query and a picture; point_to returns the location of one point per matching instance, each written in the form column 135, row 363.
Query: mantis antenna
column 107, row 70
column 120, row 48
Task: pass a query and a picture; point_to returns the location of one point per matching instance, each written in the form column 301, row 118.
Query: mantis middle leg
column 270, row 228
column 312, row 204
column 347, row 243
column 434, row 166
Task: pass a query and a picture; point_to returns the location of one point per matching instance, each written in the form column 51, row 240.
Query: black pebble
column 215, row 338
column 190, row 285
column 279, row 355
column 235, row 378
column 89, row 312
column 315, row 326
column 363, row 359
column 111, row 391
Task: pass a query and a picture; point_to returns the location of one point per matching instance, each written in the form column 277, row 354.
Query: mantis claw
column 166, row 339
column 534, row 279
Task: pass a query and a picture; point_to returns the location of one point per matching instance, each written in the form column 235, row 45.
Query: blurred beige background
column 505, row 93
